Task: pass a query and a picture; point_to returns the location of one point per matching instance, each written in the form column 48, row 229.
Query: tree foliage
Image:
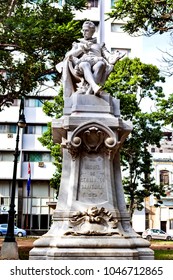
column 165, row 112
column 144, row 17
column 131, row 81
column 34, row 37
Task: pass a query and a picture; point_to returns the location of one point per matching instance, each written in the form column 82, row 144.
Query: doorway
column 163, row 225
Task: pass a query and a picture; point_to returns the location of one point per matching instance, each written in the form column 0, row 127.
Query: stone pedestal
column 9, row 251
column 90, row 220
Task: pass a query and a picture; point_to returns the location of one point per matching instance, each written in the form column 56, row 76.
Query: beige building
column 162, row 216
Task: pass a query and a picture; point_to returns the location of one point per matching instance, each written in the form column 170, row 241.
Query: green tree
column 164, row 110
column 132, row 82
column 147, row 16
column 34, row 37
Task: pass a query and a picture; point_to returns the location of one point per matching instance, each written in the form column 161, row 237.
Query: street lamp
column 9, row 248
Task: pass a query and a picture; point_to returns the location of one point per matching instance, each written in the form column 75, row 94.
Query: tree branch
column 5, row 46
column 11, row 7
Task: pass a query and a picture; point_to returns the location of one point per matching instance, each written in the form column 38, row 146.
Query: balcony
column 36, row 115
column 43, row 172
column 31, row 142
column 6, row 170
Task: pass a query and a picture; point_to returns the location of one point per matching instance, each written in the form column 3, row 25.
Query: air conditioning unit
column 10, row 135
column 41, row 164
column 4, row 209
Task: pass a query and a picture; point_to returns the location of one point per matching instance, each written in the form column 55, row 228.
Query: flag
column 29, row 179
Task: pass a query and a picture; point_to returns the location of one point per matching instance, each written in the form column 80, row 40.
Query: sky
column 154, row 47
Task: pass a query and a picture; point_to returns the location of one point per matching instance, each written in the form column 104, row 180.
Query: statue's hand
column 73, row 59
column 70, row 57
column 113, row 58
column 86, row 47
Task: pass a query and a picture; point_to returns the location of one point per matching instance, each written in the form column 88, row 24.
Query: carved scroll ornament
column 92, row 138
column 93, row 221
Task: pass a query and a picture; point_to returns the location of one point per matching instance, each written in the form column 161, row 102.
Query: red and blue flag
column 29, row 179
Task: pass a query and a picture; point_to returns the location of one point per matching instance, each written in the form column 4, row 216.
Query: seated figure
column 88, row 64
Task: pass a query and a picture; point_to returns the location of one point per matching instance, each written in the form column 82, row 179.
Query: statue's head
column 88, row 29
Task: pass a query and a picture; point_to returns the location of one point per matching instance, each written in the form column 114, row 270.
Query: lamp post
column 9, row 248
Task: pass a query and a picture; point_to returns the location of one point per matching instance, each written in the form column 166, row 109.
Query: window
column 167, row 136
column 1, row 200
column 93, row 3
column 4, row 226
column 112, row 2
column 152, row 150
column 35, row 221
column 6, row 156
column 40, row 221
column 155, row 230
column 36, row 157
column 147, row 220
column 127, row 51
column 43, row 128
column 60, row 2
column 171, row 213
column 5, row 128
column 33, row 103
column 15, row 102
column 30, row 129
column 44, row 221
column 164, row 177
column 35, row 129
column 116, row 27
column 171, row 224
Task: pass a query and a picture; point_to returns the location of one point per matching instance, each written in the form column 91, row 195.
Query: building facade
column 161, row 216
column 34, row 212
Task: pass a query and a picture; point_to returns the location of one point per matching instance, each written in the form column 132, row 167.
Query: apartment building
column 34, row 212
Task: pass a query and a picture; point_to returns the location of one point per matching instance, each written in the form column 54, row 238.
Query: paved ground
column 28, row 242
column 22, row 242
column 162, row 247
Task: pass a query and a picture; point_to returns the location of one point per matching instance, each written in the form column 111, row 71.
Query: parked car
column 17, row 231
column 153, row 233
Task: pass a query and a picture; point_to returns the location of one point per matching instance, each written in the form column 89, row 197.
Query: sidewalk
column 22, row 242
column 161, row 247
column 28, row 242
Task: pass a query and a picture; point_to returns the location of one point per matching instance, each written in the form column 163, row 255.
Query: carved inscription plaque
column 92, row 181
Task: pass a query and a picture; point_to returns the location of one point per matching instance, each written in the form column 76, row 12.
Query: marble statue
column 91, row 219
column 88, row 64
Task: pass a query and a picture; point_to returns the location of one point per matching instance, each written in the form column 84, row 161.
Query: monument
column 90, row 220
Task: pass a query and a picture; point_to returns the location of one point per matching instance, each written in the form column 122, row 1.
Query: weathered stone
column 91, row 220
column 9, row 249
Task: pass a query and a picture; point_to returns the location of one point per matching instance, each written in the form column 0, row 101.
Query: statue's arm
column 75, row 51
column 111, row 58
